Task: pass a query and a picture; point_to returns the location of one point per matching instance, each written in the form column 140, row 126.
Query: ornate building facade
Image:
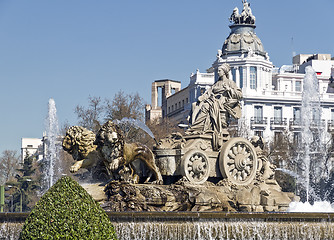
column 271, row 96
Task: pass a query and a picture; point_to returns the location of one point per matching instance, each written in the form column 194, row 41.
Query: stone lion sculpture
column 79, row 142
column 116, row 152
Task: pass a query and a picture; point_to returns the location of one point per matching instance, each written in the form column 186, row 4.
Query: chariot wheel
column 195, row 166
column 238, row 161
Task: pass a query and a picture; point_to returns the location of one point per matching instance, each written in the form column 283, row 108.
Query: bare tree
column 90, row 117
column 125, row 106
column 9, row 162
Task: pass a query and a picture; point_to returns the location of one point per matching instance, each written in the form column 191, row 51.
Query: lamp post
column 20, row 190
column 2, row 197
column 10, row 186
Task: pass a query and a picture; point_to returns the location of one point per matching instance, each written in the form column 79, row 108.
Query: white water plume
column 135, row 123
column 51, row 167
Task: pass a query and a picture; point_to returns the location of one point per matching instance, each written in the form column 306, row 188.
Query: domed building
column 271, row 96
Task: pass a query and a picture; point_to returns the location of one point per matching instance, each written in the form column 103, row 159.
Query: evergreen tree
column 26, row 186
column 67, row 211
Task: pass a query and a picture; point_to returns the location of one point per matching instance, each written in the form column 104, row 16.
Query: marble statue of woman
column 215, row 107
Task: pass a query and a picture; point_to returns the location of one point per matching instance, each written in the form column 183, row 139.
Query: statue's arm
column 205, row 95
column 235, row 91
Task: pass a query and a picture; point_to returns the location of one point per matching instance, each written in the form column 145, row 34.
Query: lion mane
column 112, row 146
column 79, row 142
column 110, row 141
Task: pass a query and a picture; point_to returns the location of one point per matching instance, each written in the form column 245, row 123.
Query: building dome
column 242, row 39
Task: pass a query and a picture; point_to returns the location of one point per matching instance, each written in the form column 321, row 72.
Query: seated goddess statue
column 215, row 107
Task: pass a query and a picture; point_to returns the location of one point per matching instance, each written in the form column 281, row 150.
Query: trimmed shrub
column 67, row 211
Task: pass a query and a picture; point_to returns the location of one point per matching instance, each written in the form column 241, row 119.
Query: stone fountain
column 203, row 170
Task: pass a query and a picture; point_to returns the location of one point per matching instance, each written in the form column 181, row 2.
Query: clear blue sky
column 69, row 50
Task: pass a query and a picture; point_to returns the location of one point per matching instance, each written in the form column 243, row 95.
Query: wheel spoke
column 235, row 150
column 232, row 166
column 249, row 162
column 243, row 175
column 244, row 150
column 231, row 154
column 235, row 171
column 230, row 161
column 239, row 148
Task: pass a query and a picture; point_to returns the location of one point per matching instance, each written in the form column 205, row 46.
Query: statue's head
column 79, row 142
column 108, row 138
column 108, row 134
column 223, row 70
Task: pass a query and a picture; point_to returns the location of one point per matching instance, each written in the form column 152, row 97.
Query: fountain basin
column 203, row 225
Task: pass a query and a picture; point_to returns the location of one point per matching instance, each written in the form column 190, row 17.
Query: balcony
column 257, row 122
column 318, row 123
column 295, row 124
column 278, row 123
column 330, row 126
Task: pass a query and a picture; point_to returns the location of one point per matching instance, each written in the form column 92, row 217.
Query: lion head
column 110, row 141
column 79, row 142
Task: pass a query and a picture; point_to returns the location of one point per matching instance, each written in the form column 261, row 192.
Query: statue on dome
column 215, row 107
column 246, row 16
column 235, row 16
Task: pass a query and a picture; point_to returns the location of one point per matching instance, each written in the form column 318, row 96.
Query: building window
column 175, row 106
column 234, row 74
column 29, row 146
column 258, row 133
column 278, row 137
column 202, row 90
column 179, row 104
column 168, row 109
column 253, row 73
column 187, row 100
column 183, row 103
column 298, row 86
column 296, row 115
column 277, row 115
column 332, row 115
column 172, row 108
column 316, row 115
column 241, row 73
column 296, row 137
column 258, row 114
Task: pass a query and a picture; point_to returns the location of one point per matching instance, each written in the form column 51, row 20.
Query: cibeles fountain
column 203, row 170
column 201, row 184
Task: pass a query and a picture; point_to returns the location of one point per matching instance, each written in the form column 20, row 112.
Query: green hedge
column 67, row 211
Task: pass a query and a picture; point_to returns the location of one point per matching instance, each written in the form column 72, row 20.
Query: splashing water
column 312, row 158
column 136, row 123
column 51, row 167
column 291, row 173
column 320, row 206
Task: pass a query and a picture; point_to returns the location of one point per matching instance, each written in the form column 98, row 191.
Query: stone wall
column 195, row 225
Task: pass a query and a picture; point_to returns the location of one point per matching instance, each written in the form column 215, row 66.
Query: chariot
column 198, row 157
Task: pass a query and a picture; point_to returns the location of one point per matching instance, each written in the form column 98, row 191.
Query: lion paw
column 114, row 165
column 74, row 168
column 158, row 182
